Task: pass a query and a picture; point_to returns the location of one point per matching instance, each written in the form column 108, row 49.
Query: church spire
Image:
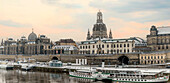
column 110, row 34
column 88, row 35
column 99, row 17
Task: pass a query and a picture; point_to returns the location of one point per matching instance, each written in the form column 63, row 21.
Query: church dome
column 32, row 36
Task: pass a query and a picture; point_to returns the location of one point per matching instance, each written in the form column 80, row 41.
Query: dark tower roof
column 88, row 35
column 153, row 28
column 110, row 34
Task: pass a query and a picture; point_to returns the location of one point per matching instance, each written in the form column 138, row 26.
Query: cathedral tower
column 99, row 29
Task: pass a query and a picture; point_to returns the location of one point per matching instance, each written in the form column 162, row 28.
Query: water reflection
column 17, row 76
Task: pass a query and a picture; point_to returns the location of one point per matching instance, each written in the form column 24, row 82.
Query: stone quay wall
column 91, row 59
column 110, row 59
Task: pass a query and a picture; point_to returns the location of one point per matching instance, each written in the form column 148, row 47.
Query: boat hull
column 148, row 81
column 81, row 77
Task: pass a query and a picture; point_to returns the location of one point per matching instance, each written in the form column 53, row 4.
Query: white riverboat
column 26, row 65
column 135, row 75
column 89, row 74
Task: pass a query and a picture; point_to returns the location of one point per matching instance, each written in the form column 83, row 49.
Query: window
column 155, row 57
column 151, row 57
column 124, row 50
column 127, row 45
column 167, row 41
column 89, row 47
column 117, row 51
column 124, row 45
column 117, row 45
column 148, row 57
column 93, row 46
column 166, row 46
column 107, row 46
column 86, row 47
column 158, row 47
column 145, row 57
column 83, row 47
column 114, row 45
column 161, row 57
column 142, row 57
column 163, row 47
column 128, row 50
column 97, row 46
column 158, row 57
column 159, row 41
column 107, row 51
column 80, row 47
column 114, row 51
column 93, row 52
column 120, row 45
column 120, row 51
column 111, row 51
column 102, row 46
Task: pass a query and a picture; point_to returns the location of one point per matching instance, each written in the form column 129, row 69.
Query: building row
column 97, row 43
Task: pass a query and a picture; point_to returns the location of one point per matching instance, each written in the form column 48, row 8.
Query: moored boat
column 6, row 65
column 87, row 74
column 135, row 75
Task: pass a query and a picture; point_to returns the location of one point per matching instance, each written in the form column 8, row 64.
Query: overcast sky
column 59, row 19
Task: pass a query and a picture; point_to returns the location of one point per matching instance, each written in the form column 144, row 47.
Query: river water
column 18, row 76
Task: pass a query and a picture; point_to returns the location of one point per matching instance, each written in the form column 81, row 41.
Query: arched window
column 167, row 41
column 166, row 46
column 124, row 45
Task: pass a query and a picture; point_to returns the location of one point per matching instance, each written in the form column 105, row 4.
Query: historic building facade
column 99, row 29
column 153, row 58
column 159, row 38
column 110, row 46
column 100, row 43
column 66, row 46
column 32, row 46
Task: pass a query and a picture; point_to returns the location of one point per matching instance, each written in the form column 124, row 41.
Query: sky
column 61, row 19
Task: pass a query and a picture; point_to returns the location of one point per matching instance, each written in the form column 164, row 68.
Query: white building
column 110, row 46
column 66, row 49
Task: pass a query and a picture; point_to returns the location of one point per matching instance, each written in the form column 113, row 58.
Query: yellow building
column 152, row 58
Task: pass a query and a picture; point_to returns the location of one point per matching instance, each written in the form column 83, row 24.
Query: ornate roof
column 153, row 28
column 32, row 36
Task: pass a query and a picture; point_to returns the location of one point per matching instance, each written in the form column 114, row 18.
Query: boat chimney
column 103, row 63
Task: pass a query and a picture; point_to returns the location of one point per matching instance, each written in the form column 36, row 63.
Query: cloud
column 60, row 3
column 151, row 10
column 13, row 24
